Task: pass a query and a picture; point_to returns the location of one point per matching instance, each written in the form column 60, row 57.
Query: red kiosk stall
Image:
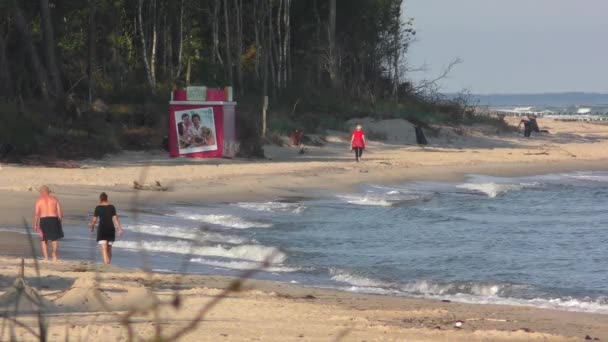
column 202, row 128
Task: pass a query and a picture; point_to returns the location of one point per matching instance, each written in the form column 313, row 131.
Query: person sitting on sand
column 47, row 221
column 357, row 142
column 106, row 231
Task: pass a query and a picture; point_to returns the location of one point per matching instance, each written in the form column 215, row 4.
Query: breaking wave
column 228, row 221
column 244, row 252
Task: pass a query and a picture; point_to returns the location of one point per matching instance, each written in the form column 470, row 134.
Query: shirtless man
column 47, row 221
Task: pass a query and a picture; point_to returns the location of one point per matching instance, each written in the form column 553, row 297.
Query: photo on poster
column 195, row 130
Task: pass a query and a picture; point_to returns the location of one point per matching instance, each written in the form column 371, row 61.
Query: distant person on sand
column 527, row 126
column 47, row 221
column 357, row 142
column 106, row 231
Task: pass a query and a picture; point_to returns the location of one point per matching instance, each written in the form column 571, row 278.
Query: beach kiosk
column 202, row 123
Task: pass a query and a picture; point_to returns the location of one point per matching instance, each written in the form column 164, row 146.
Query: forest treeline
column 300, row 53
column 98, row 48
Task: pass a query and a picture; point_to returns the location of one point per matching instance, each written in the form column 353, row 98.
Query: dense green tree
column 100, row 48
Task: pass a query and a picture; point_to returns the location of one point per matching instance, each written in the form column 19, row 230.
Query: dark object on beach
column 156, row 186
column 420, row 138
column 309, row 297
column 446, row 301
column 295, row 138
column 527, row 128
column 166, row 143
column 534, row 125
column 588, row 337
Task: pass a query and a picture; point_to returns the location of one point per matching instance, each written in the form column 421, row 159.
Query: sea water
column 538, row 241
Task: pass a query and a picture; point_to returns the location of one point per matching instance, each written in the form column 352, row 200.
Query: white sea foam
column 491, row 189
column 352, row 279
column 244, row 265
column 477, row 293
column 588, row 176
column 257, row 253
column 368, row 199
column 426, row 287
column 228, row 221
column 17, row 230
column 273, row 207
column 566, row 304
column 191, row 233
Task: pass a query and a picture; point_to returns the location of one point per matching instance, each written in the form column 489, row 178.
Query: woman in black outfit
column 106, row 231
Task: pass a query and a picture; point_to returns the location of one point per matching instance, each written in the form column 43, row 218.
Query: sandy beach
column 269, row 311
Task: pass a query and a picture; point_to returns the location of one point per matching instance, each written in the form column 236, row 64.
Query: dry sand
column 90, row 301
column 273, row 311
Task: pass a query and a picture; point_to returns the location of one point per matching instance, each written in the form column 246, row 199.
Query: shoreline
column 324, row 170
column 331, row 312
column 79, row 199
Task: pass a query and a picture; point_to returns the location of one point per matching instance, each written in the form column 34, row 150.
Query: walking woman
column 357, row 142
column 106, row 231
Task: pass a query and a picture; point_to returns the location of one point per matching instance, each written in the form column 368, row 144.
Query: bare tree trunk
column 144, row 54
column 280, row 57
column 397, row 48
column 318, row 39
column 266, row 51
column 43, row 81
column 333, row 57
column 154, row 43
column 91, row 51
column 238, row 4
column 188, row 71
column 169, row 47
column 165, row 46
column 396, row 57
column 181, row 40
column 228, row 52
column 270, row 49
column 286, row 42
column 215, row 23
column 49, row 47
column 6, row 85
column 256, row 29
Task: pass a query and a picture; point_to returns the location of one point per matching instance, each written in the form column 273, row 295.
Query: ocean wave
column 465, row 292
column 353, row 279
column 257, row 253
column 367, row 199
column 273, row 207
column 245, row 265
column 491, row 189
column 599, row 305
column 185, row 233
column 228, row 221
column 601, row 177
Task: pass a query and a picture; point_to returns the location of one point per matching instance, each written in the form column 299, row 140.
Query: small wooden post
column 264, row 116
column 22, row 271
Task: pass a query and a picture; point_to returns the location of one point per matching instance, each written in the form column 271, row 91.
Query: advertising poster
column 195, row 130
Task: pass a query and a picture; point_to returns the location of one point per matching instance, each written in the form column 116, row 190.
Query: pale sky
column 512, row 46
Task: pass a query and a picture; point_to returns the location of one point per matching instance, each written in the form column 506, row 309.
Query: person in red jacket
column 357, row 142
